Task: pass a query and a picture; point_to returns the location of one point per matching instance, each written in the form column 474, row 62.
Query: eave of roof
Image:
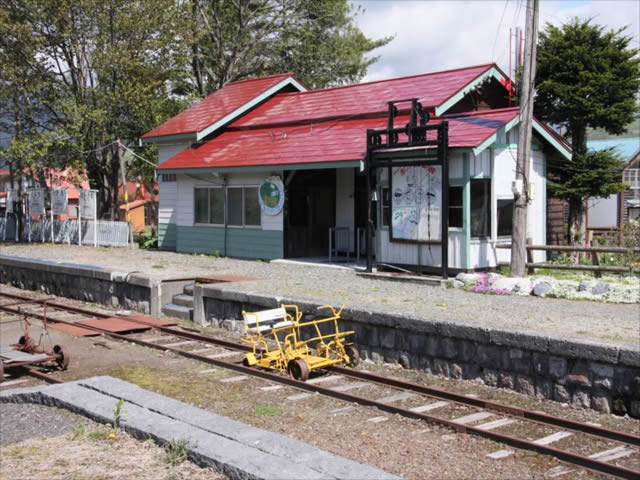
column 327, row 143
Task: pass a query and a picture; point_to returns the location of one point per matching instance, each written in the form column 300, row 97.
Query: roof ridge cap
column 286, row 74
column 488, row 65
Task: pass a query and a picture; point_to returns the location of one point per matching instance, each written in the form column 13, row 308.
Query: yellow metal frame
column 278, row 347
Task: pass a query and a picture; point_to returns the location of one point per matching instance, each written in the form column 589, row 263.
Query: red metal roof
column 216, row 106
column 329, row 141
column 431, row 89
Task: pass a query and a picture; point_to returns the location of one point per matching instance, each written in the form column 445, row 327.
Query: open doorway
column 310, row 210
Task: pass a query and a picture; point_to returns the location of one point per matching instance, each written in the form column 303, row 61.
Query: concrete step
column 188, row 289
column 184, row 300
column 177, row 311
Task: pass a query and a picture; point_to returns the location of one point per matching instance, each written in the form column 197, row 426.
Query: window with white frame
column 240, row 204
column 480, row 207
column 455, row 206
column 505, row 217
column 209, row 206
column 631, row 176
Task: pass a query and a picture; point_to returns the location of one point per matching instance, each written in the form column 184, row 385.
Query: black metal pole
column 367, row 164
column 444, row 138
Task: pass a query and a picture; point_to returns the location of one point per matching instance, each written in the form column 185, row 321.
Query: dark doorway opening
column 310, row 210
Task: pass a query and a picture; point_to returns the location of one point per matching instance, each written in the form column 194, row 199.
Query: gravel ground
column 613, row 323
column 38, row 442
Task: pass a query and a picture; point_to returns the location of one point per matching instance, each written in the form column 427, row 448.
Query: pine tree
column 587, row 77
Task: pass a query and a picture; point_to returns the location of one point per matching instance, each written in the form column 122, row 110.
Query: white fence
column 107, row 233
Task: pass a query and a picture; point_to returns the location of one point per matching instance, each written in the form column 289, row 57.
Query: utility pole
column 120, row 147
column 521, row 184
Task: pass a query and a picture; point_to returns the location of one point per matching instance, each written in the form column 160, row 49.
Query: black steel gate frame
column 417, row 136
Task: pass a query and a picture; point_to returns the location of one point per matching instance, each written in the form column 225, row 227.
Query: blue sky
column 438, row 35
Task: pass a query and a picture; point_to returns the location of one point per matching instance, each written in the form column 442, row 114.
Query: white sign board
column 416, row 203
column 12, row 196
column 271, row 195
column 59, row 201
column 88, row 203
column 36, row 201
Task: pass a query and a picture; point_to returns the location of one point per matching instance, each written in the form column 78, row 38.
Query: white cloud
column 438, row 35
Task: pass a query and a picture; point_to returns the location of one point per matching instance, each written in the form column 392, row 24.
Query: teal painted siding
column 241, row 242
column 167, row 236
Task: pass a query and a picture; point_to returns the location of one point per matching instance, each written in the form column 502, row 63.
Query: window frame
column 224, row 210
column 486, row 181
column 498, row 200
column 226, row 189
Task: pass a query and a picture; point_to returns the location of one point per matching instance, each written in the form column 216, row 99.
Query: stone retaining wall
column 92, row 284
column 588, row 374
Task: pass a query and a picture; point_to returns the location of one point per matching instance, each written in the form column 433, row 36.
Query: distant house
column 264, row 168
column 612, row 212
column 140, row 206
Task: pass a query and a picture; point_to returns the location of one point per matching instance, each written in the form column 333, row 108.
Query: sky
column 440, row 35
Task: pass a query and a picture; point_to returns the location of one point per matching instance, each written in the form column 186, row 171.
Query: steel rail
column 42, row 376
column 570, row 457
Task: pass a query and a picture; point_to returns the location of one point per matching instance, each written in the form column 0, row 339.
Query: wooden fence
column 596, row 267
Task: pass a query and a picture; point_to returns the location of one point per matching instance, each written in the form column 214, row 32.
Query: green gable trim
column 495, row 146
column 492, row 72
column 167, row 138
column 549, row 138
column 248, row 106
column 267, row 168
column 249, row 243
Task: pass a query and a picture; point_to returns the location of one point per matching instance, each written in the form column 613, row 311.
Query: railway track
column 509, row 425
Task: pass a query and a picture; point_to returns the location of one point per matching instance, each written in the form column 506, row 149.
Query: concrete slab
column 238, row 450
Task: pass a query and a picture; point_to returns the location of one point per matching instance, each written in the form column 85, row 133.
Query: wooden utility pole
column 124, row 190
column 521, row 185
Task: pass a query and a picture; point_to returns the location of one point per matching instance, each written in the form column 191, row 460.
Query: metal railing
column 87, row 232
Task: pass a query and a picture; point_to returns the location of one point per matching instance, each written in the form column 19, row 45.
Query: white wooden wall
column 185, row 195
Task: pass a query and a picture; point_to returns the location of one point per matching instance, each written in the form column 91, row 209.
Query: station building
column 264, row 168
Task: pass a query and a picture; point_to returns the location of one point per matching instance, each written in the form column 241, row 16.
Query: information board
column 59, row 201
column 12, row 196
column 88, row 203
column 416, row 204
column 36, row 201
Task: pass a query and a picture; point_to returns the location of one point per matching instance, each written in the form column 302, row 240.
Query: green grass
column 176, row 451
column 267, row 410
column 157, row 266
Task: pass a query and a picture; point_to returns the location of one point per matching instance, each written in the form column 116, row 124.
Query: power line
column 498, row 30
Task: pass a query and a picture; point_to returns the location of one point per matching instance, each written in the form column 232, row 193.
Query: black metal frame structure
column 395, row 153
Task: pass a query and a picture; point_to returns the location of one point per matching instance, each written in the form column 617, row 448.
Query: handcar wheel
column 299, row 369
column 354, row 356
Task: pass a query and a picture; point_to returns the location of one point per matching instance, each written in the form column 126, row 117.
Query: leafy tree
column 586, row 77
column 315, row 39
column 102, row 70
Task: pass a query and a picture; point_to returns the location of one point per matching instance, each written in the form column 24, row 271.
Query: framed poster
column 36, row 201
column 59, row 201
column 416, row 204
